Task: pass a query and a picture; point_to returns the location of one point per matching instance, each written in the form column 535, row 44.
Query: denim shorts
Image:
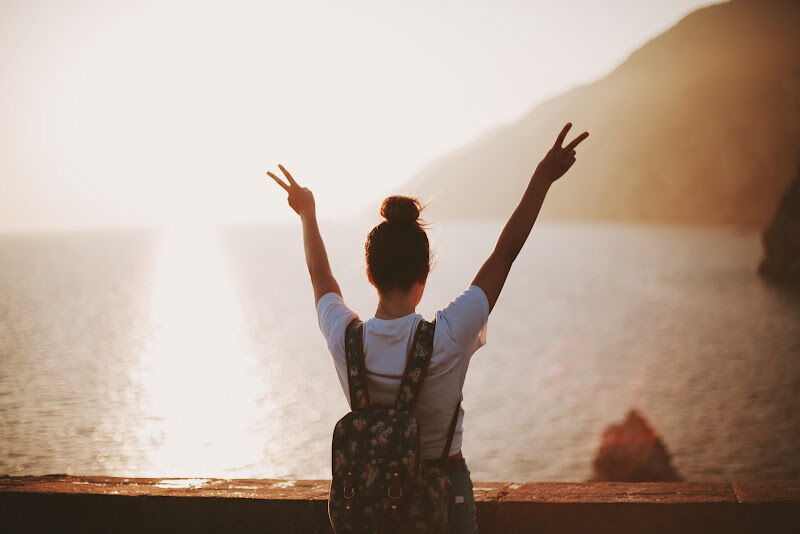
column 464, row 521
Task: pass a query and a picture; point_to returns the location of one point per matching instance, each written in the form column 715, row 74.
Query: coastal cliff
column 700, row 125
column 781, row 239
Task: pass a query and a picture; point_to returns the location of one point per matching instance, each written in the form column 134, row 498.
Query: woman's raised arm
column 493, row 273
column 301, row 200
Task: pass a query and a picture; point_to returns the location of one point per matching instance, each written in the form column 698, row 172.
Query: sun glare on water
column 199, row 376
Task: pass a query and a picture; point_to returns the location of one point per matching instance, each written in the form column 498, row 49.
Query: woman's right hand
column 300, row 199
column 559, row 159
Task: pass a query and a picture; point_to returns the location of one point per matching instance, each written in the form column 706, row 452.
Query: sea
column 195, row 351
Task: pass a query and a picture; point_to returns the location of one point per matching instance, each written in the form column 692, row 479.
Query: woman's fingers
column 566, row 165
column 278, row 180
column 562, row 135
column 576, row 141
column 288, row 176
column 292, row 182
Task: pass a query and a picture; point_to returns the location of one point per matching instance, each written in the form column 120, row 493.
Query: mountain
column 700, row 125
column 781, row 239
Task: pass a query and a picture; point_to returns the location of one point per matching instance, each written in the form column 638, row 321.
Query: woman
column 398, row 255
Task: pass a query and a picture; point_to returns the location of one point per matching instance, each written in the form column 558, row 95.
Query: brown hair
column 397, row 250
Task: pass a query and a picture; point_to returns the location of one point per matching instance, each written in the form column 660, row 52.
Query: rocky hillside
column 781, row 263
column 700, row 125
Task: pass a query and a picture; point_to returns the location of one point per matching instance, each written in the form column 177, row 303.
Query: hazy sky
column 115, row 114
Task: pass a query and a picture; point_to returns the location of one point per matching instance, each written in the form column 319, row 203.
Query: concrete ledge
column 104, row 504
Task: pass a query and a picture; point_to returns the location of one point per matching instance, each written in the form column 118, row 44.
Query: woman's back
column 398, row 261
column 460, row 331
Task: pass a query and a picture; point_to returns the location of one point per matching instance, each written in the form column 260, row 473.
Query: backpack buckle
column 395, row 486
column 348, row 485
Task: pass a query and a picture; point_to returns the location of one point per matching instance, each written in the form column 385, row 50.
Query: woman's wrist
column 542, row 177
column 540, row 184
column 308, row 215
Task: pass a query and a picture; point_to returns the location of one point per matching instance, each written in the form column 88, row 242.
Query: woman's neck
column 394, row 306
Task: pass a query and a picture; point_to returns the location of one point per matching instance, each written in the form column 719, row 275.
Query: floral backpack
column 379, row 481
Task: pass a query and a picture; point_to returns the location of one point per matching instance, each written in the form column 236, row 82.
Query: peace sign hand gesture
column 559, row 159
column 300, row 198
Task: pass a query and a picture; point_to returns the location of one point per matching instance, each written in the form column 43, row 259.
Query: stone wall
column 59, row 503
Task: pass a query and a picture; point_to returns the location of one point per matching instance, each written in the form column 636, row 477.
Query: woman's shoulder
column 464, row 319
column 471, row 304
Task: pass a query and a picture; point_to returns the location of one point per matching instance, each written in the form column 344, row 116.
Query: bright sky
column 150, row 113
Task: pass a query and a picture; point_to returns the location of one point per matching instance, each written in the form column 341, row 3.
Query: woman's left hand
column 301, row 200
column 559, row 159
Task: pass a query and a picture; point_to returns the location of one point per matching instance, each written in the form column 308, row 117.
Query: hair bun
column 400, row 209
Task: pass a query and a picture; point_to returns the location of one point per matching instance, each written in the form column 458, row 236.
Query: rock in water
column 781, row 239
column 632, row 452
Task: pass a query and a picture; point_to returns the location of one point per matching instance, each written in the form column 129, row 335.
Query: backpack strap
column 450, row 432
column 416, row 364
column 356, row 371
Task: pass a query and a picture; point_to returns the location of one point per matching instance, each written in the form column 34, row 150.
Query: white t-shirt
column 460, row 331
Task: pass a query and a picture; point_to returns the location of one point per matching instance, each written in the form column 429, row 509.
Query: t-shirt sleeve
column 334, row 316
column 465, row 319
